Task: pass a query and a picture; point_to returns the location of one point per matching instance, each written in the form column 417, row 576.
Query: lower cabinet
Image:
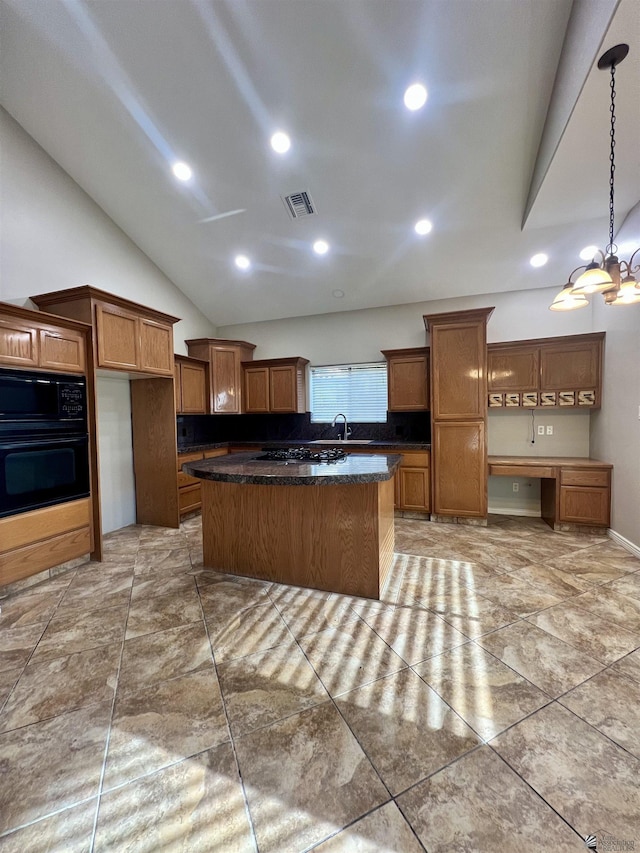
column 189, row 487
column 412, row 481
column 32, row 542
column 585, row 496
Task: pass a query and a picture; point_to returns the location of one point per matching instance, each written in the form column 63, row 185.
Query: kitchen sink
column 341, row 443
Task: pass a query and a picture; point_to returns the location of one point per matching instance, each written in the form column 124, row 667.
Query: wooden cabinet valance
column 408, row 379
column 276, row 385
column 128, row 337
column 563, row 372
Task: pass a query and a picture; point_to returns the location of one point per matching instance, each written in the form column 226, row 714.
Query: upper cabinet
column 32, row 339
column 225, row 371
column 191, row 386
column 275, row 385
column 408, row 379
column 128, row 336
column 547, row 372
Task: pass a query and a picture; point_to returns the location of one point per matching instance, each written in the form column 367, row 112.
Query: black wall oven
column 44, row 445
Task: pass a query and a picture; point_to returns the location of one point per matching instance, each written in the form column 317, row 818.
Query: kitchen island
column 327, row 526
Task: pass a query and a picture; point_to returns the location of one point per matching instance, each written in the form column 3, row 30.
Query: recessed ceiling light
column 422, row 227
column 182, row 171
column 242, row 262
column 280, row 142
column 337, row 293
column 539, row 260
column 415, row 97
column 321, row 247
column 588, row 252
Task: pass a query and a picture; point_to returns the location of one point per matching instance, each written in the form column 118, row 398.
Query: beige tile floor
column 490, row 702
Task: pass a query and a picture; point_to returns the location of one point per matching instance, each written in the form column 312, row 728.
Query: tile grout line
column 111, row 716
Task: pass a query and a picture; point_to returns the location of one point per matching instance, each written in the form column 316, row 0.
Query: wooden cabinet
column 276, row 385
column 585, row 496
column 32, row 542
column 458, row 353
column 191, row 386
column 513, row 368
column 412, row 482
column 128, row 336
column 408, row 379
column 547, row 372
column 28, row 340
column 189, row 488
column 225, row 371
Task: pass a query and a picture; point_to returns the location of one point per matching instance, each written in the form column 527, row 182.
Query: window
column 359, row 391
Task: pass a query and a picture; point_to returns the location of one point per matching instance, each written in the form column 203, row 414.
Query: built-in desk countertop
column 573, row 490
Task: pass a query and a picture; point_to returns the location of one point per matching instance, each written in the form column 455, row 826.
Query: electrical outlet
column 550, row 430
column 540, row 430
column 516, row 487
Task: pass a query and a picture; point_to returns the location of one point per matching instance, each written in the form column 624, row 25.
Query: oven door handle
column 18, row 444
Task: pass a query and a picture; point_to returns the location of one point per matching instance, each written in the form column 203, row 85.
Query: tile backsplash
column 200, row 429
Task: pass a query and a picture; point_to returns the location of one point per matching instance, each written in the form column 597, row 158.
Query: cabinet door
column 408, row 384
column 458, row 371
column 117, row 334
column 566, row 367
column 18, row 343
column 156, row 347
column 584, row 505
column 256, row 389
column 193, row 392
column 62, row 349
column 460, row 473
column 414, row 489
column 283, row 392
column 225, row 380
column 513, row 369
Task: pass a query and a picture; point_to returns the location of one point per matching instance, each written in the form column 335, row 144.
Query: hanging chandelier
column 608, row 275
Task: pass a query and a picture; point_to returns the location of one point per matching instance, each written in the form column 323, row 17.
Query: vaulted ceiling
column 116, row 92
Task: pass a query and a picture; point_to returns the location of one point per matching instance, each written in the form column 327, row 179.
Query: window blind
column 359, row 391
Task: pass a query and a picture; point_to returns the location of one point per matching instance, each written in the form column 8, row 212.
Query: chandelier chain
column 612, row 162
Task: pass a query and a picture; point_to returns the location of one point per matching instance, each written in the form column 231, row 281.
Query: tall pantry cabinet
column 458, row 352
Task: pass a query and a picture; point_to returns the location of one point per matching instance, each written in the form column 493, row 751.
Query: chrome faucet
column 347, row 431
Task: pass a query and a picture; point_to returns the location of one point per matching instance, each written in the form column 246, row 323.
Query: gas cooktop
column 303, row 454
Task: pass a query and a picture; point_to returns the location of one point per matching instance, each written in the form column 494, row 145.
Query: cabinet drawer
column 44, row 555
column 584, row 477
column 414, row 460
column 189, row 457
column 189, row 498
column 527, row 471
column 211, row 454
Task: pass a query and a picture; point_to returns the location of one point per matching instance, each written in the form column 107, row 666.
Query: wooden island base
column 338, row 538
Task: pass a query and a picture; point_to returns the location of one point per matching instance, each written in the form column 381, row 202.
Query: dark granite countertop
column 245, row 468
column 396, row 446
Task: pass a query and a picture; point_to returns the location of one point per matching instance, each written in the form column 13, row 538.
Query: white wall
column 55, row 237
column 116, row 469
column 615, row 429
column 353, row 336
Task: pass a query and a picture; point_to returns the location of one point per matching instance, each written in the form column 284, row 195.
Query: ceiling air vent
column 299, row 204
